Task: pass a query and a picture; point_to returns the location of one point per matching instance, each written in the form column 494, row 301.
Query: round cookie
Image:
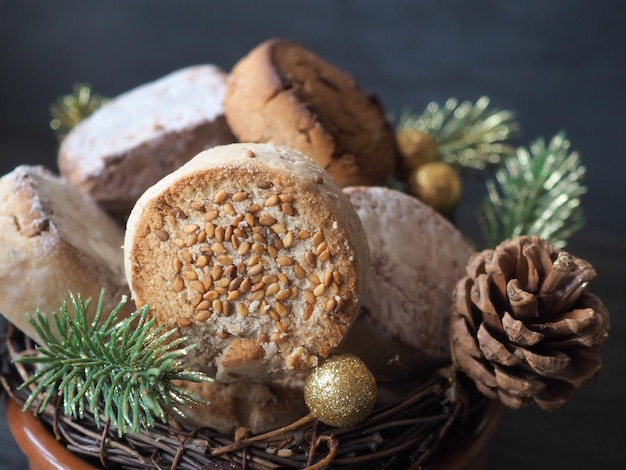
column 255, row 254
column 283, row 94
column 137, row 138
column 417, row 257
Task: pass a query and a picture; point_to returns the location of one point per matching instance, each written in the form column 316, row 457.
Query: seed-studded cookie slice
column 254, row 254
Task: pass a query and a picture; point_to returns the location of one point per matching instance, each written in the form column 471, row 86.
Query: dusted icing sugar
column 171, row 104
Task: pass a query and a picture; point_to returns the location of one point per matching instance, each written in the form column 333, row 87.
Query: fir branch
column 468, row 135
column 537, row 192
column 124, row 370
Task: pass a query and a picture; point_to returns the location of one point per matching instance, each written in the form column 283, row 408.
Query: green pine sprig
column 124, row 370
column 536, row 192
column 469, row 135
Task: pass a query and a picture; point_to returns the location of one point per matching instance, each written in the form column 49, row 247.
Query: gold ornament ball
column 416, row 147
column 341, row 391
column 438, row 185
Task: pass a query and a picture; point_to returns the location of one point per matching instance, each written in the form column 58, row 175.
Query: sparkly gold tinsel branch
column 68, row 110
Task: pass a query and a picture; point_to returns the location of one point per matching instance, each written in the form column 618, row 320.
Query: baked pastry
column 253, row 406
column 255, row 254
column 284, row 94
column 54, row 241
column 417, row 257
column 134, row 140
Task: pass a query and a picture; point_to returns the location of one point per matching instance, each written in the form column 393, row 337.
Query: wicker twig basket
column 439, row 415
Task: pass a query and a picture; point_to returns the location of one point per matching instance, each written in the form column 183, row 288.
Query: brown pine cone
column 523, row 326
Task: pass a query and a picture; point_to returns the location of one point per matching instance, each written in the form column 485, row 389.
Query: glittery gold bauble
column 438, row 185
column 341, row 391
column 416, row 147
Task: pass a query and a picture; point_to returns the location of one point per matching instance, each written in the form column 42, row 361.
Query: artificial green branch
column 536, row 192
column 468, row 135
column 125, row 370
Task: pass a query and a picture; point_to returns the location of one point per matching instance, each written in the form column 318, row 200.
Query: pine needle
column 536, row 192
column 124, row 371
column 469, row 135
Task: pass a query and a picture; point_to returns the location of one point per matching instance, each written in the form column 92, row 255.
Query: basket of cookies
column 251, row 270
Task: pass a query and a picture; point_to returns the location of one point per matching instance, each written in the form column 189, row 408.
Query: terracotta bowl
column 43, row 451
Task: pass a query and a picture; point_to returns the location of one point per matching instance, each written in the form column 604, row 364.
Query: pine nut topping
column 191, row 228
column 309, row 296
column 288, row 240
column 202, row 315
column 198, row 286
column 321, row 248
column 282, row 294
column 209, row 228
column 308, row 311
column 203, row 305
column 303, row 235
column 211, row 215
column 240, row 196
column 279, row 228
column 162, row 235
column 220, row 196
column 319, row 290
column 245, row 285
column 225, row 260
column 310, row 258
column 229, row 209
column 299, row 271
column 256, row 269
column 202, row 261
column 317, row 238
column 284, row 260
column 196, row 206
column 218, row 248
column 220, row 233
column 271, row 201
column 287, row 208
column 267, row 220
column 177, row 265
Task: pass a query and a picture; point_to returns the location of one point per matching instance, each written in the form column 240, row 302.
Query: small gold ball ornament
column 341, row 391
column 437, row 184
column 416, row 147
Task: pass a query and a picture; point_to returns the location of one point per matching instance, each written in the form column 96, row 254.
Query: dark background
column 560, row 64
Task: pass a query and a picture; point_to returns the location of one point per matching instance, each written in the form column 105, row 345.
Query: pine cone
column 523, row 326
